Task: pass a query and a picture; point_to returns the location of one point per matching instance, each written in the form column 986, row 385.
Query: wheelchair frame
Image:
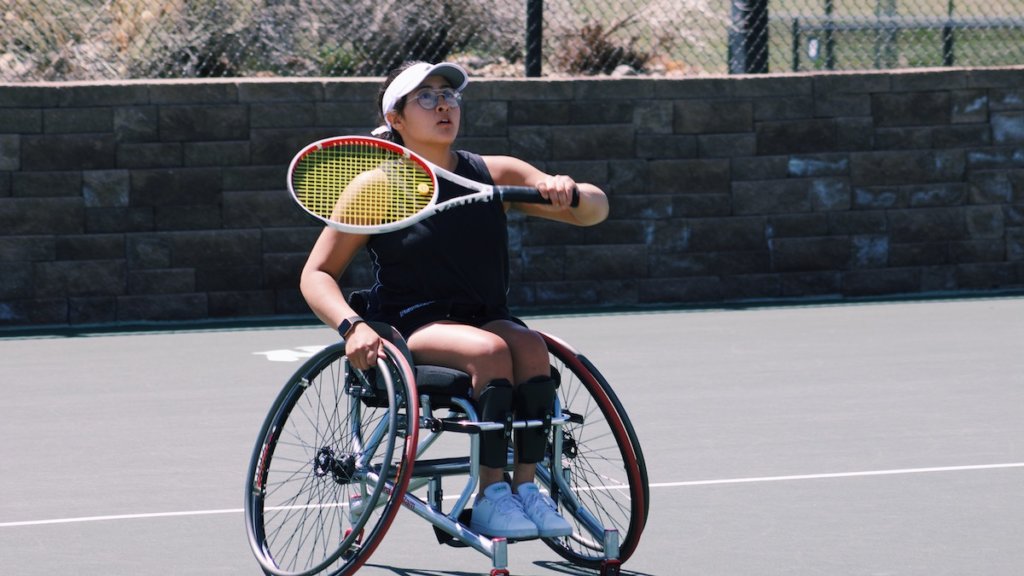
column 342, row 450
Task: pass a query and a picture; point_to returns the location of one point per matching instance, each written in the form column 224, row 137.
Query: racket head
column 361, row 184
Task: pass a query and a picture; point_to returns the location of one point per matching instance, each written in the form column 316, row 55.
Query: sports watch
column 348, row 324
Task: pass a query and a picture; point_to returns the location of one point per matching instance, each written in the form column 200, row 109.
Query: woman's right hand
column 363, row 347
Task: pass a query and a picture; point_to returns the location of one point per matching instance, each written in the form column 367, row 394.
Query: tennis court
column 879, row 438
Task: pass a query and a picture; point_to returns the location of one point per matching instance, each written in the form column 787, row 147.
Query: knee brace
column 535, row 399
column 495, row 405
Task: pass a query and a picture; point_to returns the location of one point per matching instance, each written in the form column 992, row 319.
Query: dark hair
column 392, row 135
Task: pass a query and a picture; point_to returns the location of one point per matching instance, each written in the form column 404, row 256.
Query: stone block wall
column 157, row 201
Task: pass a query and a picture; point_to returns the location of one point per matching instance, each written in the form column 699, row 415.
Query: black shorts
column 411, row 318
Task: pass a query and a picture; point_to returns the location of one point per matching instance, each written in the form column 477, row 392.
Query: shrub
column 594, row 51
column 88, row 39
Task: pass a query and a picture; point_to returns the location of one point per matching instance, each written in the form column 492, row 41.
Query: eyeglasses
column 428, row 99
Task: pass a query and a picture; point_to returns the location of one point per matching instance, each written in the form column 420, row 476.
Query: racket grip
column 529, row 195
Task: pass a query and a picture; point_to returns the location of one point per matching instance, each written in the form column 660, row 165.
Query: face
column 437, row 124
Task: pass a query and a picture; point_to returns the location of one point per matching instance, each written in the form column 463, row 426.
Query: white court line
column 654, row 485
column 120, row 517
column 837, row 475
column 152, row 515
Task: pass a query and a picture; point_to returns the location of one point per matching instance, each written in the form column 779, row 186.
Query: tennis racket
column 369, row 186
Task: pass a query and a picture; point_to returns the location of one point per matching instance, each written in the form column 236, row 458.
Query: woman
column 443, row 282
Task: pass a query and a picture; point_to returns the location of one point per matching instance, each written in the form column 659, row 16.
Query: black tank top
column 453, row 264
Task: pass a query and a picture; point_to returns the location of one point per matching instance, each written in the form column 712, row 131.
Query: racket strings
column 361, row 184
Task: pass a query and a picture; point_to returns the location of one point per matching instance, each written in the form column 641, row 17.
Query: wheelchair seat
column 442, row 384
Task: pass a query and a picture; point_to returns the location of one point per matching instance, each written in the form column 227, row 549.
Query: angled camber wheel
column 331, row 464
column 598, row 476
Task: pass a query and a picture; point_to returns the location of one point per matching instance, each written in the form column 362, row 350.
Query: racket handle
column 530, row 195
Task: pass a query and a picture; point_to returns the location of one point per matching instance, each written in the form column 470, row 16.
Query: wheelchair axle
column 342, row 469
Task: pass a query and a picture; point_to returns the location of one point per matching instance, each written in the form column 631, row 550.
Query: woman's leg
column 529, row 362
column 502, row 351
column 535, row 397
column 483, row 355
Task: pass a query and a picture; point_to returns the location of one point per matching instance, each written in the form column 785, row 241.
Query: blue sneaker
column 500, row 514
column 541, row 509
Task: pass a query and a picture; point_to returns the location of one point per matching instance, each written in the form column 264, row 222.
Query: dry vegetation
column 69, row 39
column 114, row 39
column 120, row 39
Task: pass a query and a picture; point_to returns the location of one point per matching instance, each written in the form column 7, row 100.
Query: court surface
column 871, row 439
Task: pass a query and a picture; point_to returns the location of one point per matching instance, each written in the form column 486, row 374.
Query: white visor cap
column 413, row 76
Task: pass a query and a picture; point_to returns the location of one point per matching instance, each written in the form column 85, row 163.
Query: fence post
column 797, row 44
column 830, row 39
column 534, row 37
column 748, row 37
column 948, row 39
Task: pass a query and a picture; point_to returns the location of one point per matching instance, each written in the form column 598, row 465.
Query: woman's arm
column 328, row 259
column 593, row 205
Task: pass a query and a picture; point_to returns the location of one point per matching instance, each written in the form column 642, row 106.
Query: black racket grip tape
column 530, row 195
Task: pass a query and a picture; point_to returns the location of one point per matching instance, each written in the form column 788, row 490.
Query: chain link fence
column 61, row 40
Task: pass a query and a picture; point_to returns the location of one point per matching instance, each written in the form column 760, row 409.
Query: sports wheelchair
column 341, row 450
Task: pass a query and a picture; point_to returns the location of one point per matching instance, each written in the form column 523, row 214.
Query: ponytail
column 382, row 131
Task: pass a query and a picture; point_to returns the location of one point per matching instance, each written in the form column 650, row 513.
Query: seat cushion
column 442, row 384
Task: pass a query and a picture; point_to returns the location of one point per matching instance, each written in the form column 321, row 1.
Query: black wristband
column 347, row 325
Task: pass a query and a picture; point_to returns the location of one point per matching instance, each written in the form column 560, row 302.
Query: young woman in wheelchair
column 442, row 283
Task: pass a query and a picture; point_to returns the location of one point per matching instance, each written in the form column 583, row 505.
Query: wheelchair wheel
column 598, row 478
column 331, row 465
